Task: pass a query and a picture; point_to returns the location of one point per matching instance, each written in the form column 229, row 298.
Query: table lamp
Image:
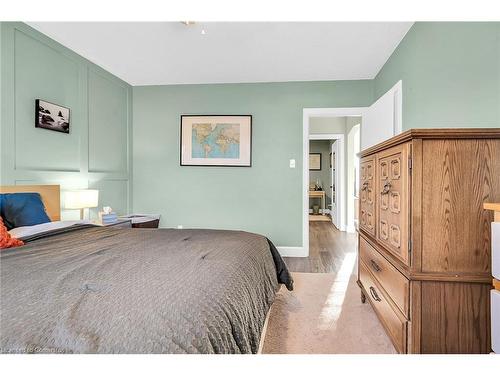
column 80, row 200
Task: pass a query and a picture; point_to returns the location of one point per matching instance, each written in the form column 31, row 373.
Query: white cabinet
column 495, row 294
column 495, row 250
column 495, row 321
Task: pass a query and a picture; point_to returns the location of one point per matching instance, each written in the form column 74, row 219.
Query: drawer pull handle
column 386, row 188
column 375, row 266
column 364, row 186
column 374, row 294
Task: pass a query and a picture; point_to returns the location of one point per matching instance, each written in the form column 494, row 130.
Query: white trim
column 325, row 211
column 325, row 136
column 289, row 251
column 305, row 180
column 335, row 112
column 350, row 229
column 340, row 183
column 397, row 90
column 306, row 114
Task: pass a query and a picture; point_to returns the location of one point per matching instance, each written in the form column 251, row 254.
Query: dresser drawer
column 395, row 284
column 394, row 321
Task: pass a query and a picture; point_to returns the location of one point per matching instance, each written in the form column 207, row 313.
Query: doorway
column 326, row 178
column 380, row 121
column 330, row 125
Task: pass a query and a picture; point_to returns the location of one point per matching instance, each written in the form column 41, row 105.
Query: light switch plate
column 292, row 163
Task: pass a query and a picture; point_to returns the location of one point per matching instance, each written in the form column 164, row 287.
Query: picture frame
column 314, row 161
column 216, row 140
column 52, row 116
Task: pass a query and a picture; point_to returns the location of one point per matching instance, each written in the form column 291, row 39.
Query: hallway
column 327, row 248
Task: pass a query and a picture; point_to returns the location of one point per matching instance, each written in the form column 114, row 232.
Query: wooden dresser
column 424, row 237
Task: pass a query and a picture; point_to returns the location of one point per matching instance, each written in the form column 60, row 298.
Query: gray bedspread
column 110, row 290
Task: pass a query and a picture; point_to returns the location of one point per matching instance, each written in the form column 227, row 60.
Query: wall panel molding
column 108, row 135
column 39, row 156
column 43, row 72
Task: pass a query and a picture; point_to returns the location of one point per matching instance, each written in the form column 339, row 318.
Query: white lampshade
column 79, row 199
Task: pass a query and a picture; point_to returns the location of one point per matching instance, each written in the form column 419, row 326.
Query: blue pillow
column 22, row 209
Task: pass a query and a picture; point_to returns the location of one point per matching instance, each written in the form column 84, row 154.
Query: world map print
column 215, row 140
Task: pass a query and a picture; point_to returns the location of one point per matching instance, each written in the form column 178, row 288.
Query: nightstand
column 143, row 221
column 120, row 223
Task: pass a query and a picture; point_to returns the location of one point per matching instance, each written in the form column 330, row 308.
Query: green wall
column 450, row 73
column 451, row 78
column 96, row 153
column 265, row 198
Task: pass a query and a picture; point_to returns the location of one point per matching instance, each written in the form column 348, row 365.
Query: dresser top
column 447, row 133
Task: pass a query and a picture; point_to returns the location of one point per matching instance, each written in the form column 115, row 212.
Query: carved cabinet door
column 367, row 199
column 393, row 200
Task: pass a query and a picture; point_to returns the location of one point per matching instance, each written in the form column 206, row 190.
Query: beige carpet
column 324, row 315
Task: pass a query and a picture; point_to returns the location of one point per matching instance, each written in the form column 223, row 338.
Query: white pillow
column 21, row 232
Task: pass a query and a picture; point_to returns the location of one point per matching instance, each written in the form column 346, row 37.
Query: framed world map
column 216, row 140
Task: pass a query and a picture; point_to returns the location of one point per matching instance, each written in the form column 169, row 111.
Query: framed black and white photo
column 51, row 116
column 216, row 140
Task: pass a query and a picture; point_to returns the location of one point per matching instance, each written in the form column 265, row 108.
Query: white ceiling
column 157, row 53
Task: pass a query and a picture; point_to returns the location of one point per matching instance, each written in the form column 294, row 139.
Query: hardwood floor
column 327, row 248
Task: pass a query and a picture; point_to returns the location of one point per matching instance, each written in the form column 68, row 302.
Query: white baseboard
column 351, row 229
column 325, row 211
column 290, row 251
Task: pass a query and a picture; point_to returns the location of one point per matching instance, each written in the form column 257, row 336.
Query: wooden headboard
column 51, row 197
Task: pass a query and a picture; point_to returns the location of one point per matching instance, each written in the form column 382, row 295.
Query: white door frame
column 307, row 114
column 339, row 219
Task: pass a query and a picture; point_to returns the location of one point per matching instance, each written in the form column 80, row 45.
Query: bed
column 88, row 289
